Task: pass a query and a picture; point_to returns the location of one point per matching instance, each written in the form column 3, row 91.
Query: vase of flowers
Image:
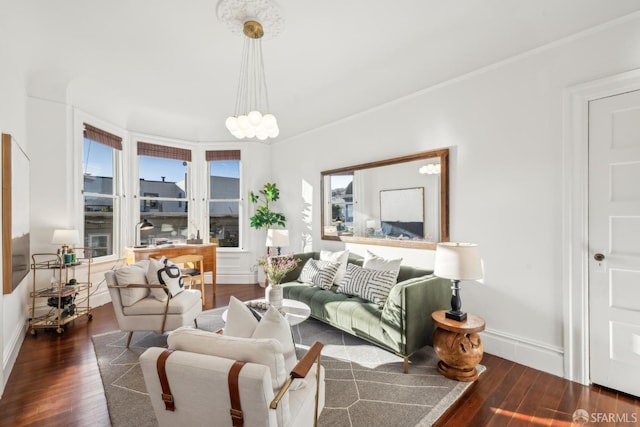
column 276, row 267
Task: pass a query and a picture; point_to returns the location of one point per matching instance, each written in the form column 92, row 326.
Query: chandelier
column 252, row 117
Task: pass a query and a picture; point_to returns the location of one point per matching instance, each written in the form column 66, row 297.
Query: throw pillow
column 166, row 273
column 240, row 321
column 274, row 325
column 371, row 285
column 375, row 262
column 319, row 273
column 342, row 257
column 134, row 274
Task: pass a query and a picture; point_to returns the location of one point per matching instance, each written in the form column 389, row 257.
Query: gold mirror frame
column 442, row 154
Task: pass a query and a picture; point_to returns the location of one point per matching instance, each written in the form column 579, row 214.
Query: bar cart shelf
column 65, row 288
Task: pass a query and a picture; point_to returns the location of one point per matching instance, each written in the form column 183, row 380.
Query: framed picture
column 15, row 214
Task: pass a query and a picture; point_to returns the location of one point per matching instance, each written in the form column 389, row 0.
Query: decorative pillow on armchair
column 166, row 273
column 371, row 285
column 134, row 274
column 319, row 273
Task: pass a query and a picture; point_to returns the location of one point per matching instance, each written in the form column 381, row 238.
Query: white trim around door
column 575, row 238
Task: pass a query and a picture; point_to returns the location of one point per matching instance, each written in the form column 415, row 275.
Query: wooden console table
column 207, row 250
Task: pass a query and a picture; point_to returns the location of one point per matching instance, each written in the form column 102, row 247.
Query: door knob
column 599, row 257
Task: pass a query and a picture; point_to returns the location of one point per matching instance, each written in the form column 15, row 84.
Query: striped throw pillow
column 371, row 285
column 319, row 273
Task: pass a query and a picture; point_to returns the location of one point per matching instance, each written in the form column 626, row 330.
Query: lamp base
column 459, row 316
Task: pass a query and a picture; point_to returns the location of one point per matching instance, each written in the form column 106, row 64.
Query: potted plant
column 264, row 217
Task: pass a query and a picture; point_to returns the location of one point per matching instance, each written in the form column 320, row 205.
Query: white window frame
column 119, row 207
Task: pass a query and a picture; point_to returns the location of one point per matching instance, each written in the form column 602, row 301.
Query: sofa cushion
column 180, row 304
column 371, row 285
column 319, row 273
column 342, row 257
column 375, row 262
column 135, row 274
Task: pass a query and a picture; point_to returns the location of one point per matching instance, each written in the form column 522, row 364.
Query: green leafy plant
column 264, row 217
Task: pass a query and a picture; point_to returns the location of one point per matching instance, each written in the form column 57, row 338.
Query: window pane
column 166, row 227
column 97, row 167
column 225, row 179
column 165, row 177
column 98, row 225
column 223, row 223
column 342, row 202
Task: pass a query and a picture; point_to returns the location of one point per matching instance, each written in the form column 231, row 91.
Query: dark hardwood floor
column 56, row 382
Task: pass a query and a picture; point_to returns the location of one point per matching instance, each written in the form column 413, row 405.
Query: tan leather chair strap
column 234, row 394
column 167, row 397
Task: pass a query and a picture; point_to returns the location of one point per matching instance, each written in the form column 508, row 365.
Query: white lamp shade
column 277, row 238
column 458, row 261
column 65, row 237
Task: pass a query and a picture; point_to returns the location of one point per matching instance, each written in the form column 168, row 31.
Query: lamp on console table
column 457, row 261
column 277, row 238
column 145, row 224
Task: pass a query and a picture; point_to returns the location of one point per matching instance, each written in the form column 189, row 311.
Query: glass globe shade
column 262, row 135
column 243, row 122
column 255, row 117
column 269, row 121
column 273, row 132
column 250, row 133
column 231, row 123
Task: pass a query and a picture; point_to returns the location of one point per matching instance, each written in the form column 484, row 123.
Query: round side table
column 458, row 346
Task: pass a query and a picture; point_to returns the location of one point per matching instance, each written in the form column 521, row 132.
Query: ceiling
column 170, row 68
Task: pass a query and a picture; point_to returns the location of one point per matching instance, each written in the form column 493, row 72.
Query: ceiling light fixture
column 252, row 117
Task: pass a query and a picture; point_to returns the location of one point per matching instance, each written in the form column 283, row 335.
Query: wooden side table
column 458, row 346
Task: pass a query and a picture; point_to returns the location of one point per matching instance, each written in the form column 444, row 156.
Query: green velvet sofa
column 402, row 326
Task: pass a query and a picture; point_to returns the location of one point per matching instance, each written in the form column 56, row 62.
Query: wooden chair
column 192, row 269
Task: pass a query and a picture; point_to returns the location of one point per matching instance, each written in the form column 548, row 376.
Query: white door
column 614, row 242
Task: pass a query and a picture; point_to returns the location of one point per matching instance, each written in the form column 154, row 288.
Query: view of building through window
column 164, row 199
column 99, row 167
column 224, row 201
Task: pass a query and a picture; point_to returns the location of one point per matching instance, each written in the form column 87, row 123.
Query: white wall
column 504, row 127
column 12, row 121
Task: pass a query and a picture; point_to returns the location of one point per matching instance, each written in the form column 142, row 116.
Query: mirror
column 403, row 201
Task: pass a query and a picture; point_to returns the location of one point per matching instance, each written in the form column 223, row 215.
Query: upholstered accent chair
column 143, row 306
column 196, row 381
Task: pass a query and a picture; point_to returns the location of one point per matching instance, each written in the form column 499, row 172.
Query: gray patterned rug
column 363, row 382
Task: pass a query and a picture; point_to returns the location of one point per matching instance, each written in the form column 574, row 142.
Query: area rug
column 363, row 382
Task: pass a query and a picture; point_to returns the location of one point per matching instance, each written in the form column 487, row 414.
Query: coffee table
column 295, row 311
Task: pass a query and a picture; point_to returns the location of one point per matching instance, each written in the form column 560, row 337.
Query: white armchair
column 140, row 306
column 197, row 373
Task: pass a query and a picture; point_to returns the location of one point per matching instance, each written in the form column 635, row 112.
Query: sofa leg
column 129, row 338
column 196, row 322
column 405, row 365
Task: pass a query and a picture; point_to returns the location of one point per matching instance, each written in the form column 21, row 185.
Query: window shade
column 222, row 155
column 163, row 151
column 103, row 137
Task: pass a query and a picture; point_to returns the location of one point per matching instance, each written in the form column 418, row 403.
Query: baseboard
column 10, row 353
column 236, row 279
column 526, row 352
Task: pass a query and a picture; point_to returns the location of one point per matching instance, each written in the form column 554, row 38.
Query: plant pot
column 273, row 295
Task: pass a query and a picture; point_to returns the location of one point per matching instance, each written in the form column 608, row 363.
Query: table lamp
column 145, row 224
column 277, row 238
column 457, row 261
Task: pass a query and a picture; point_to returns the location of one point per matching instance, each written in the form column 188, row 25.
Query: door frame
column 575, row 209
